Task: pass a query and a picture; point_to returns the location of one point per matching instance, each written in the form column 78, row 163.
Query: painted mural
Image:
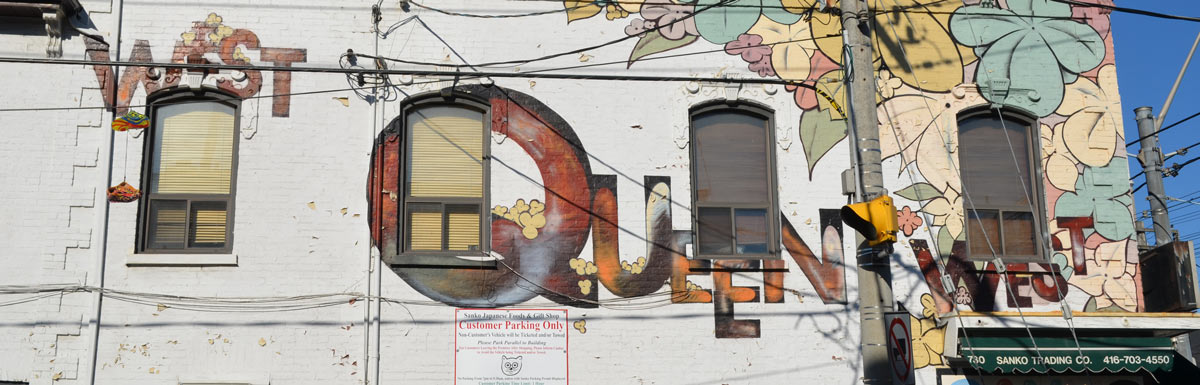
column 541, row 239
column 233, row 46
column 934, row 59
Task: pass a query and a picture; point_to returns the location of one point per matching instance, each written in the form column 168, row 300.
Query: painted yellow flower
column 1092, row 132
column 581, row 326
column 582, row 9
column 887, row 83
column 1109, row 279
column 917, row 127
column 583, row 267
column 213, row 19
column 585, row 287
column 531, row 216
column 792, row 47
column 1060, row 166
column 947, row 210
column 928, row 339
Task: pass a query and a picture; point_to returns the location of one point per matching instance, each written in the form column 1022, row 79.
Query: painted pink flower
column 820, row 64
column 675, row 19
column 909, row 220
column 962, row 296
column 752, row 50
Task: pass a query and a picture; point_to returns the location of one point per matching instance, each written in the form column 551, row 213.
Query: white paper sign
column 510, row 347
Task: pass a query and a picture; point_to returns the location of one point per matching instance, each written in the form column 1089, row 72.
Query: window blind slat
column 168, row 220
column 462, row 231
column 426, row 231
column 208, row 224
column 194, row 149
column 447, row 153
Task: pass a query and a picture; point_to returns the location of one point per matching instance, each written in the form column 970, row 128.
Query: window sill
column 181, row 260
column 448, row 261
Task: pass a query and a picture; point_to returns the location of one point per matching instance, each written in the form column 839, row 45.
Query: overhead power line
column 478, row 12
column 1129, row 10
column 1168, row 127
column 412, row 72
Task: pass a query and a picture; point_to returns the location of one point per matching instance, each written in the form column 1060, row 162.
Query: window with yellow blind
column 445, row 176
column 189, row 177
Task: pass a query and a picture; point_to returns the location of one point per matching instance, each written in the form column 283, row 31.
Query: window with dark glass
column 998, row 166
column 189, row 169
column 733, row 183
column 444, row 175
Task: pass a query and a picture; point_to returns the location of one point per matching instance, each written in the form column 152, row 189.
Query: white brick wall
column 301, row 217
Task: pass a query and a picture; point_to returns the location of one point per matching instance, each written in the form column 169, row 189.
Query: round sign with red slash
column 900, row 348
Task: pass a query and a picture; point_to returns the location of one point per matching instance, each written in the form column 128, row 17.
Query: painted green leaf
column 773, row 9
column 1103, row 194
column 819, row 133
column 1029, row 66
column 980, row 26
column 653, row 43
column 1071, row 45
column 1090, row 306
column 723, row 23
column 1064, row 265
column 1032, row 46
column 945, row 242
column 919, row 192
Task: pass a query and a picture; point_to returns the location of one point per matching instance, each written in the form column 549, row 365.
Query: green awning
column 1062, row 354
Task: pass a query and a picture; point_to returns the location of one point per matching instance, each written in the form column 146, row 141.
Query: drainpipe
column 103, row 220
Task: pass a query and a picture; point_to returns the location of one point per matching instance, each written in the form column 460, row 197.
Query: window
column 189, row 175
column 733, row 182
column 445, row 175
column 1002, row 184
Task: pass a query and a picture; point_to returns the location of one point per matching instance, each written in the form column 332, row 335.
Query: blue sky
column 1149, row 53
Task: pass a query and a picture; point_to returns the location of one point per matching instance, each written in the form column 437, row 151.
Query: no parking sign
column 899, row 339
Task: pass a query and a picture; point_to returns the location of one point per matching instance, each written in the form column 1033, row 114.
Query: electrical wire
column 721, row 4
column 1168, row 127
column 832, row 9
column 616, row 62
column 501, row 16
column 219, row 98
column 1129, row 10
column 413, row 72
column 273, row 304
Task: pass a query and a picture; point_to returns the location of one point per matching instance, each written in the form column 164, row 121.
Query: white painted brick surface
column 301, row 217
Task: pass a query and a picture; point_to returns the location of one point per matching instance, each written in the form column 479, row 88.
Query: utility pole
column 1152, row 159
column 874, row 268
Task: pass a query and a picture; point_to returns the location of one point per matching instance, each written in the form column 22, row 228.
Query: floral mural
column 935, row 59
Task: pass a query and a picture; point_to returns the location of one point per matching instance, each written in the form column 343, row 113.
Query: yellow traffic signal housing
column 874, row 219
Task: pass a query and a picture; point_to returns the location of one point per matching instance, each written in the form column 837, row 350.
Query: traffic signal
column 874, row 219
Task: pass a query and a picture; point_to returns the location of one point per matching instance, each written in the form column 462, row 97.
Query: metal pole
column 1152, row 159
column 874, row 269
column 105, row 217
column 1171, row 96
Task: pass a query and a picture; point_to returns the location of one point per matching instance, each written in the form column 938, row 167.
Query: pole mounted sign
column 899, row 339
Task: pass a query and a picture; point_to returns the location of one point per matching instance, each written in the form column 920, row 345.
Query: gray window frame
column 774, row 242
column 1037, row 188
column 404, row 256
column 177, row 96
